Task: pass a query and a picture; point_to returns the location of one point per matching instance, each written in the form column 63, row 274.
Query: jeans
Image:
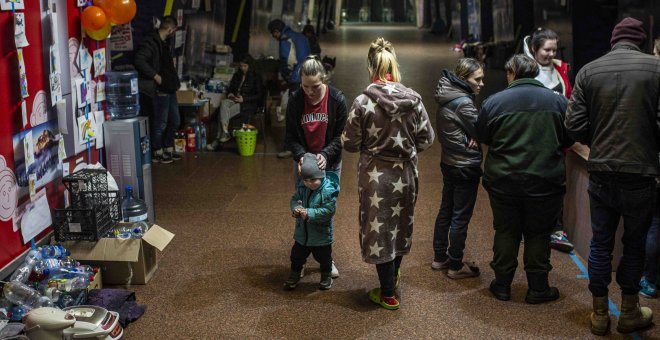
column 387, row 275
column 459, row 194
column 515, row 217
column 652, row 239
column 228, row 109
column 612, row 197
column 164, row 121
column 300, row 253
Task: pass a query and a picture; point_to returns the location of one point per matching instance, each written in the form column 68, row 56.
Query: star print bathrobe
column 388, row 125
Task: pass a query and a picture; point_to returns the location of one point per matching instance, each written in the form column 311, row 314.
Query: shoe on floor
column 292, row 281
column 387, row 302
column 501, row 293
column 213, row 146
column 559, row 241
column 225, row 138
column 170, row 152
column 437, row 265
column 468, row 270
column 647, row 289
column 161, row 157
column 334, row 272
column 535, row 297
column 326, row 281
column 284, row 154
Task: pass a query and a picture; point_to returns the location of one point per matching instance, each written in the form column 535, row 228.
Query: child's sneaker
column 387, row 302
column 326, row 281
column 292, row 281
column 647, row 289
column 468, row 270
column 559, row 241
column 173, row 155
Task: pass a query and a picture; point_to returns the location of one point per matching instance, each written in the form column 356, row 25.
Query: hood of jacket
column 392, row 97
column 450, row 87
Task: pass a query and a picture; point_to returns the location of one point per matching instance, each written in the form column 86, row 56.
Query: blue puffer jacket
column 321, row 205
column 291, row 59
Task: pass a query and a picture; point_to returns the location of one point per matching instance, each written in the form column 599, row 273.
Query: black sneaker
column 326, row 281
column 535, row 297
column 292, row 281
column 162, row 158
column 174, row 156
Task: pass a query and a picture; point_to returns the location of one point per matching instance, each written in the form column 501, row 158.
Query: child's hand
column 295, row 213
column 303, row 213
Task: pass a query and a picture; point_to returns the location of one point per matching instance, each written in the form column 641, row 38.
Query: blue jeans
column 164, row 121
column 612, row 196
column 459, row 194
column 652, row 239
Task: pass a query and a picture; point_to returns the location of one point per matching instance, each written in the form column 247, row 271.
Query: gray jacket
column 615, row 109
column 452, row 136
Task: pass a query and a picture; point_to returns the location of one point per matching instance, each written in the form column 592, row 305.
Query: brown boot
column 600, row 317
column 633, row 317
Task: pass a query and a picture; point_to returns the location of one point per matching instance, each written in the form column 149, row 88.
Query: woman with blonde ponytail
column 388, row 125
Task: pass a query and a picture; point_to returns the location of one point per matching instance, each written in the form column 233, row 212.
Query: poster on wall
column 19, row 31
column 21, row 72
column 121, row 38
column 6, row 5
column 45, row 156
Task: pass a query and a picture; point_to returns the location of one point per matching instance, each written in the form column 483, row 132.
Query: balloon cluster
column 97, row 19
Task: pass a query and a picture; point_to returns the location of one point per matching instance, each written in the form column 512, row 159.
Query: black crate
column 87, row 223
column 93, row 210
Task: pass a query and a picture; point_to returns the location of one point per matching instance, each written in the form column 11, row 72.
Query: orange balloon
column 101, row 34
column 106, row 5
column 93, row 18
column 122, row 11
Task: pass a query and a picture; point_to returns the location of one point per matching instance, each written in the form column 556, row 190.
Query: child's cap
column 310, row 167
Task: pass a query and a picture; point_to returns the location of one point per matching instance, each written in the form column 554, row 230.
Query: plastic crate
column 87, row 223
column 94, row 209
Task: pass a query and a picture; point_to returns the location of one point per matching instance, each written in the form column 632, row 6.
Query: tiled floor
column 222, row 275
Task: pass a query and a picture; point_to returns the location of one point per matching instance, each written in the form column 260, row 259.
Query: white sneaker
column 334, row 273
column 225, row 138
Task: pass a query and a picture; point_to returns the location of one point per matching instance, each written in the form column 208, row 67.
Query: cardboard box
column 119, row 258
column 186, row 96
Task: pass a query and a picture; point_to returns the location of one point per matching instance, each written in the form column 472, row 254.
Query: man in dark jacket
column 615, row 109
column 244, row 96
column 524, row 175
column 158, row 82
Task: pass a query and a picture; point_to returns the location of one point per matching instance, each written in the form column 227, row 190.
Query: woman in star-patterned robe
column 388, row 125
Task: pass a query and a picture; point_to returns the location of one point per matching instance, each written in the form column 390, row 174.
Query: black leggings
column 387, row 275
column 322, row 254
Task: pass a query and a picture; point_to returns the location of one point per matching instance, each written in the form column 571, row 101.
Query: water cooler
column 128, row 155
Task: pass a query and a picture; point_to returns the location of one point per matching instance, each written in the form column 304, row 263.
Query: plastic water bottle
column 121, row 93
column 22, row 273
column 22, row 295
column 133, row 209
column 56, row 251
column 198, row 137
column 202, row 135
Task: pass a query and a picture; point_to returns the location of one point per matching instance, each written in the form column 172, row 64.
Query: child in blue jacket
column 313, row 205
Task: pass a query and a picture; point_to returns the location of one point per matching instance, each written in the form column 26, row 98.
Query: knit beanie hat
column 310, row 167
column 629, row 29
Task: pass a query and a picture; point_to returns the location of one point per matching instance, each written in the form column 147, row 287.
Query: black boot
column 501, row 286
column 539, row 289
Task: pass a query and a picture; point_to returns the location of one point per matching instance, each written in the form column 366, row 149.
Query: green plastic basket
column 246, row 141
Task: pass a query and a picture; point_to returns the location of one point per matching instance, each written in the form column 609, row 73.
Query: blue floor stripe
column 585, row 274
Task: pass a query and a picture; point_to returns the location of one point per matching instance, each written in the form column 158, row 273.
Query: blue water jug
column 122, row 94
